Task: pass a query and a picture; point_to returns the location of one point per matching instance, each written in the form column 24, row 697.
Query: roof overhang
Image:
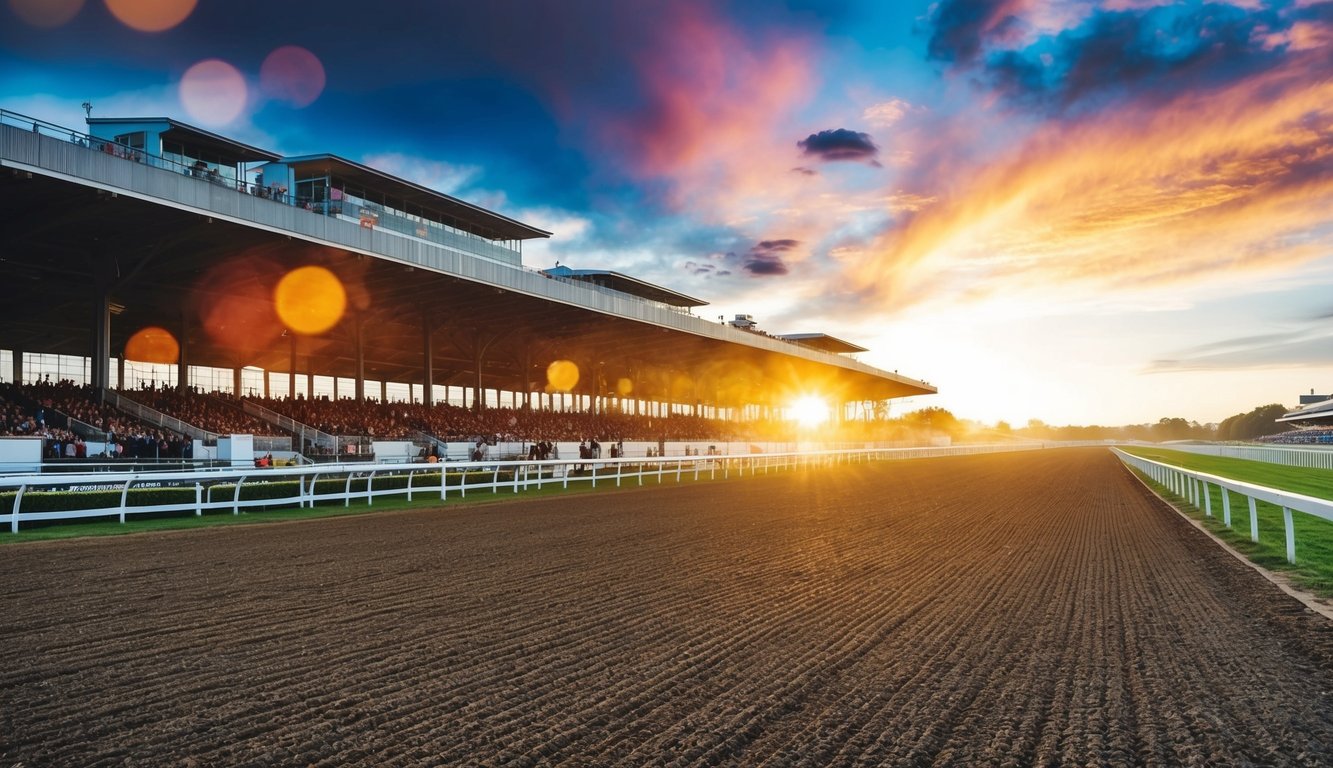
column 196, row 137
column 626, row 284
column 822, row 341
column 1314, row 413
column 464, row 215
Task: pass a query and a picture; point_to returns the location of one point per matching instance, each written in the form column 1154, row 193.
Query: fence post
column 1254, row 521
column 14, row 516
column 124, row 492
column 236, row 496
column 1226, row 506
column 1291, row 535
column 347, row 490
column 198, row 499
column 1207, row 499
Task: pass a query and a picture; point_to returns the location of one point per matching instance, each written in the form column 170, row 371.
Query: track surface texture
column 1017, row 609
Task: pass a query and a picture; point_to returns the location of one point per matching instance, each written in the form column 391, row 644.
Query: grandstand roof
column 196, row 137
column 464, row 215
column 626, row 284
column 1320, row 413
column 822, row 341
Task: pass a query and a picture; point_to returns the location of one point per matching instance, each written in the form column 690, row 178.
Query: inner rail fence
column 1195, row 488
column 1312, row 458
column 42, row 498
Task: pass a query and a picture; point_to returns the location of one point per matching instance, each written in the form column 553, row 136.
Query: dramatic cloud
column 840, row 144
column 1069, row 53
column 1210, row 185
column 765, row 259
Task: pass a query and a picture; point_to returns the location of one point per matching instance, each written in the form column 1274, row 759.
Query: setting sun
column 809, row 411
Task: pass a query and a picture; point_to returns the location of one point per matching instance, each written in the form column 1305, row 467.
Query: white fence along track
column 1313, row 458
column 311, row 484
column 1193, row 486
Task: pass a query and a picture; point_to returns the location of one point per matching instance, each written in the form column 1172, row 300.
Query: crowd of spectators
column 211, row 414
column 400, row 421
column 1300, row 437
column 45, row 409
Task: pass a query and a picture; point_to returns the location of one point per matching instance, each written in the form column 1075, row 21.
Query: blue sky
column 1082, row 212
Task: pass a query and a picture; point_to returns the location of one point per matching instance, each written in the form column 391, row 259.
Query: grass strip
column 1313, row 569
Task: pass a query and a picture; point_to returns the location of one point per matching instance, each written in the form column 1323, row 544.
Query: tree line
column 1243, row 426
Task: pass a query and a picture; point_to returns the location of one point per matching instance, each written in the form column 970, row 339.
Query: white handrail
column 1193, row 486
column 453, row 476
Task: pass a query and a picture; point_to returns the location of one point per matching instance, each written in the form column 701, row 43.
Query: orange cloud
column 1209, row 184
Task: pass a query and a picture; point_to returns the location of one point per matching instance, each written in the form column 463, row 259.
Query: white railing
column 1313, row 458
column 1194, row 487
column 357, row 482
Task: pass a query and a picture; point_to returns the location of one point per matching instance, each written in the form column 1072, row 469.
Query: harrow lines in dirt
column 996, row 609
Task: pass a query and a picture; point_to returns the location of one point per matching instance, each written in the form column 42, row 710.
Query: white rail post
column 198, row 499
column 1254, row 521
column 1291, row 534
column 236, row 496
column 1226, row 506
column 409, row 484
column 1207, row 499
column 14, row 516
column 347, row 490
column 124, row 492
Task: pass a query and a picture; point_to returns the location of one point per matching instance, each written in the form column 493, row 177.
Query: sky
column 1074, row 211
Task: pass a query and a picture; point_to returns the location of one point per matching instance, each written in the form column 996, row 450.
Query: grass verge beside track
column 1313, row 570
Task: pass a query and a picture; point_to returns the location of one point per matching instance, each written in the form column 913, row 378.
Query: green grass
column 425, row 499
column 1311, row 482
column 1313, row 570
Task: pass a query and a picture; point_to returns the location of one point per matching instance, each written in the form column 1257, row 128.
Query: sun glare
column 809, row 411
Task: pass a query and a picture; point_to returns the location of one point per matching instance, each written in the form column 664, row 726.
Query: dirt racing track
column 1011, row 609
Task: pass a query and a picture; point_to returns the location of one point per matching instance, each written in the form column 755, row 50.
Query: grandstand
column 149, row 223
column 1313, row 422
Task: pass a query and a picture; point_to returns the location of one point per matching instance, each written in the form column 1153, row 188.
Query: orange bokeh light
column 292, row 74
column 150, row 15
column 310, row 299
column 46, row 13
column 213, row 92
column 624, row 386
column 153, row 345
column 562, row 375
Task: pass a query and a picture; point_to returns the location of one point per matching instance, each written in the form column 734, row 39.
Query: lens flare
column 809, row 411
column 624, row 387
column 310, row 300
column 153, row 345
column 150, row 15
column 562, row 375
column 292, row 74
column 46, row 13
column 213, row 92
